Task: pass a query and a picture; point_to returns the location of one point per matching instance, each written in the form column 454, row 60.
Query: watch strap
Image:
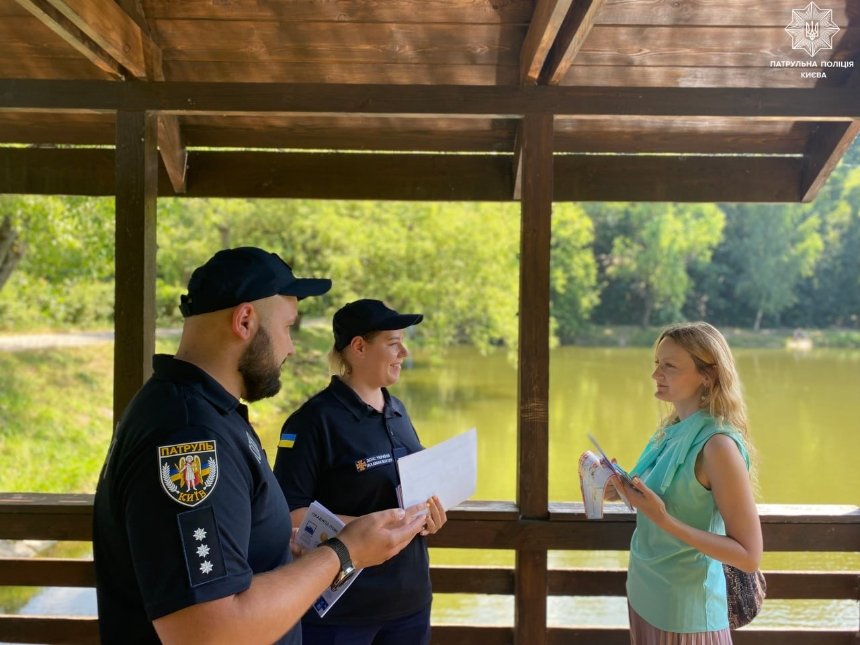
column 342, row 552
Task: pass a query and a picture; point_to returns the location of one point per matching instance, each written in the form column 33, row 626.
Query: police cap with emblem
column 244, row 274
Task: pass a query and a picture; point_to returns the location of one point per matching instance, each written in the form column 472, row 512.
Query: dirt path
column 20, row 342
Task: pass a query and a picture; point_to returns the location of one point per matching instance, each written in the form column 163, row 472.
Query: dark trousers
column 409, row 630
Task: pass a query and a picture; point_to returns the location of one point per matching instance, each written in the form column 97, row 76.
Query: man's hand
column 374, row 538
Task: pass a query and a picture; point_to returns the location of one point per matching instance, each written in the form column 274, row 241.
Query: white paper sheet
column 448, row 470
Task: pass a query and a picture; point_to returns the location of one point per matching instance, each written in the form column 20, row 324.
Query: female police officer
column 340, row 448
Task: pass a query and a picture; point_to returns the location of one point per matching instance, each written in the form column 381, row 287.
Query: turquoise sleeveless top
column 670, row 584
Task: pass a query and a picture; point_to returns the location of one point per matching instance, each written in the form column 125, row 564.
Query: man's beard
column 259, row 370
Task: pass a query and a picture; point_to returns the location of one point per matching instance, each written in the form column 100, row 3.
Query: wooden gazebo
column 529, row 100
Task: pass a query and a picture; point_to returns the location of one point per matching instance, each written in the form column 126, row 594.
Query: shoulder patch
column 254, row 448
column 204, row 558
column 288, row 440
column 188, row 471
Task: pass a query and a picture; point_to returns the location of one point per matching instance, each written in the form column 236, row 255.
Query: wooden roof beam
column 54, row 20
column 171, row 143
column 108, row 36
column 777, row 104
column 174, row 154
column 517, row 163
column 546, row 21
column 823, row 151
column 661, row 178
column 577, row 25
column 106, row 24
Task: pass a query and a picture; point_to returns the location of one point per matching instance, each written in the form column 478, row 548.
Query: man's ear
column 244, row 320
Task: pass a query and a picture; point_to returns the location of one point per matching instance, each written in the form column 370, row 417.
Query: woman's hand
column 643, row 499
column 297, row 550
column 436, row 516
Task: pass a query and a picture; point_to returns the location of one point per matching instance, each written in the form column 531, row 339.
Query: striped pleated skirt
column 643, row 633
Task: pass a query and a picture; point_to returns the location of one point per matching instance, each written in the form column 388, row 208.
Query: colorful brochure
column 319, row 525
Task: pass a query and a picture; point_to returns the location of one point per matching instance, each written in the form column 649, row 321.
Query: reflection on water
column 803, row 409
column 65, row 601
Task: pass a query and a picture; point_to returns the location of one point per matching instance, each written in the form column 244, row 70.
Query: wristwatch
column 347, row 570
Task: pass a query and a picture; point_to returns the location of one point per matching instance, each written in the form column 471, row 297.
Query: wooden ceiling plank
column 326, row 71
column 111, row 28
column 349, row 11
column 577, row 26
column 729, row 13
column 545, row 24
column 416, row 177
column 704, row 45
column 780, row 104
column 335, row 42
column 825, row 148
column 54, row 20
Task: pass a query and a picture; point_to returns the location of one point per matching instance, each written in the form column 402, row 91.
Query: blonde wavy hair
column 710, row 352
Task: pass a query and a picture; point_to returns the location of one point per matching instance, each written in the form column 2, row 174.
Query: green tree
column 831, row 295
column 659, row 244
column 57, row 260
column 573, row 271
column 455, row 262
column 773, row 248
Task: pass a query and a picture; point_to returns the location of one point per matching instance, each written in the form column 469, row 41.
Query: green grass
column 55, row 418
column 56, row 410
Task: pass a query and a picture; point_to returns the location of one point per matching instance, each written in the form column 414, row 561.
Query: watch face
column 344, row 575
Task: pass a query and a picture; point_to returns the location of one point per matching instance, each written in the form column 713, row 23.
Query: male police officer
column 191, row 531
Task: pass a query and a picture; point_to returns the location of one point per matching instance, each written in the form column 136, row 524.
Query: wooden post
column 533, row 374
column 134, row 315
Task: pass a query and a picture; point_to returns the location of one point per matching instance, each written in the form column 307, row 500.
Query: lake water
column 803, row 410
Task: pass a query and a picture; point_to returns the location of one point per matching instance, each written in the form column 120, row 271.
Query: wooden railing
column 483, row 525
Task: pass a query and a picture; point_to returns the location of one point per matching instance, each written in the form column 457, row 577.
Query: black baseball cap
column 364, row 316
column 244, row 274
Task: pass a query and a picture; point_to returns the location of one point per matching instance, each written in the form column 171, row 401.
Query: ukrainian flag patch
column 287, row 440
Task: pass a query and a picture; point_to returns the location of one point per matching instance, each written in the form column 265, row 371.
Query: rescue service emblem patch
column 188, row 471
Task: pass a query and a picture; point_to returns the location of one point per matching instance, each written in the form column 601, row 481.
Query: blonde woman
column 341, row 448
column 693, row 495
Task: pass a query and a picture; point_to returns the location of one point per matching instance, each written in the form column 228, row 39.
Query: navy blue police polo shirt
column 340, row 451
column 187, row 509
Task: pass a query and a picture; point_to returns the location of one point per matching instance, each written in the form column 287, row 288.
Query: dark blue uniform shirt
column 342, row 454
column 187, row 509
